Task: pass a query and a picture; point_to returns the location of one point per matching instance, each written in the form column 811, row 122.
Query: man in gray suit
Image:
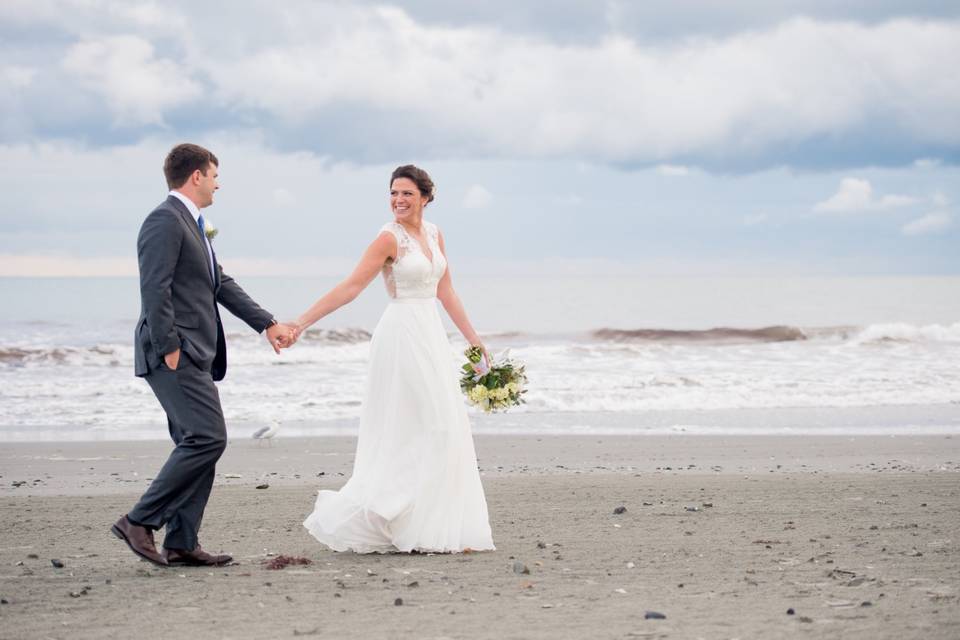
column 179, row 349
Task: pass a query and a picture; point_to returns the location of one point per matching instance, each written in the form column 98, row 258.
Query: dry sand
column 859, row 536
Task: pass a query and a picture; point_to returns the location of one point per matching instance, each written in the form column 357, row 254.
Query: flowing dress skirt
column 415, row 483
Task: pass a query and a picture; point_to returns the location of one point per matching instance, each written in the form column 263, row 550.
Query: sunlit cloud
column 477, row 197
column 931, row 223
column 856, row 195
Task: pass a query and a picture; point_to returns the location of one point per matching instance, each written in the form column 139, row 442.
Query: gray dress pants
column 178, row 495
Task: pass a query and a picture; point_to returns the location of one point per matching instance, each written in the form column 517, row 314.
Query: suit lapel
column 195, row 229
column 216, row 270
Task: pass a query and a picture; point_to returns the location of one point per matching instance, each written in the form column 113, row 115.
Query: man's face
column 207, row 185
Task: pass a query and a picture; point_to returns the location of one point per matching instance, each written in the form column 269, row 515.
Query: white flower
column 209, row 230
column 478, row 394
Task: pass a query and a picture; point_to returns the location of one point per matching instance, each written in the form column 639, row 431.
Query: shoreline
column 860, row 421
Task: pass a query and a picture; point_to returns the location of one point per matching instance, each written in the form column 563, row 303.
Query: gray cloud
column 368, row 83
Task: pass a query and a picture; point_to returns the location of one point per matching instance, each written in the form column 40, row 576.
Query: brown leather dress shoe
column 196, row 558
column 139, row 539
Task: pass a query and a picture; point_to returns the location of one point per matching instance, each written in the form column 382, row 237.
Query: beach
column 722, row 535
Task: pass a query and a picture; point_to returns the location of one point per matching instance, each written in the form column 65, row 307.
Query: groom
column 179, row 349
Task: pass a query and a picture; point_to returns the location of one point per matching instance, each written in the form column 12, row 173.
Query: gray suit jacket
column 178, row 295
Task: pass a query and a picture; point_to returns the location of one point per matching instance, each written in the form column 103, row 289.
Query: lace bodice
column 413, row 274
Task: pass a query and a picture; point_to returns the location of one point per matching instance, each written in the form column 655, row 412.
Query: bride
column 415, row 484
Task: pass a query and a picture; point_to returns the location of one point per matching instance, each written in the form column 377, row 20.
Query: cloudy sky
column 818, row 137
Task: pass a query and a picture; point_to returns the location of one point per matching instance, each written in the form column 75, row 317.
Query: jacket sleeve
column 158, row 250
column 237, row 302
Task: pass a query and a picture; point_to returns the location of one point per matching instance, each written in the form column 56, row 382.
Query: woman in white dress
column 415, row 484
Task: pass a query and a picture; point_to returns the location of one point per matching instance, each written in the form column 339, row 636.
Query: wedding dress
column 415, row 483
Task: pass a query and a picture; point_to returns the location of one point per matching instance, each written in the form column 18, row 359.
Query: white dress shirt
column 195, row 212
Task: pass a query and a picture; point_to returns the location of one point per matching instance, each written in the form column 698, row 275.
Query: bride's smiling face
column 406, row 201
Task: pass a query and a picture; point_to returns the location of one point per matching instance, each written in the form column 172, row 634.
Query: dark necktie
column 203, row 238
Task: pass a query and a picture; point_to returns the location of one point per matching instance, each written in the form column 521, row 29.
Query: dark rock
column 398, row 602
column 866, row 603
column 790, row 611
column 654, row 615
column 4, row 601
column 281, row 562
column 33, row 556
column 413, row 584
column 619, row 510
column 541, row 545
column 311, row 632
column 263, row 486
column 56, row 563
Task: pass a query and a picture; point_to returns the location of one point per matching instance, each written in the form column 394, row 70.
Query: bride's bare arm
column 451, row 302
column 379, row 251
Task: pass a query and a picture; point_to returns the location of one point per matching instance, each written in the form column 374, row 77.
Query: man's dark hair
column 183, row 160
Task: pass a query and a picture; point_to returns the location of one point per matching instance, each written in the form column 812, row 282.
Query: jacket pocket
column 187, row 320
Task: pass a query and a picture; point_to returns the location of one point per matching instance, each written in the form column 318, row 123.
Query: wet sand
column 721, row 535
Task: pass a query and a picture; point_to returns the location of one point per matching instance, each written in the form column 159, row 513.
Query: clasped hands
column 283, row 335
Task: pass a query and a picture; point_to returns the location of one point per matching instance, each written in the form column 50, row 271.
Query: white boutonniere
column 209, row 230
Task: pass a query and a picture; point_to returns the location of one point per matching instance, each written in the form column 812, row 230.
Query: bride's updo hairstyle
column 419, row 177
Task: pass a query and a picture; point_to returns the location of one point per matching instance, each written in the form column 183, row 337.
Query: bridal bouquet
column 494, row 388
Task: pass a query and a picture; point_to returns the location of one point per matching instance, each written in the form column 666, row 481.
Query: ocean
column 604, row 354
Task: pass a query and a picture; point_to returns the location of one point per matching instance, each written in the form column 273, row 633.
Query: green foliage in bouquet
column 499, row 388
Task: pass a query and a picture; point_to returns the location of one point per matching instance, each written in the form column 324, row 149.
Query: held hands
column 282, row 336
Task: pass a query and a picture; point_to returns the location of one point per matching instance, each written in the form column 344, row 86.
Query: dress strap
column 400, row 234
column 432, row 231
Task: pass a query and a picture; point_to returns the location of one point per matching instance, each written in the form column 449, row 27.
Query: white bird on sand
column 267, row 433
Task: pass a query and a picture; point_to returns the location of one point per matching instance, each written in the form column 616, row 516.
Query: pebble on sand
column 57, row 563
column 654, row 615
column 790, row 611
column 263, row 486
column 398, row 602
column 619, row 510
column 520, row 569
